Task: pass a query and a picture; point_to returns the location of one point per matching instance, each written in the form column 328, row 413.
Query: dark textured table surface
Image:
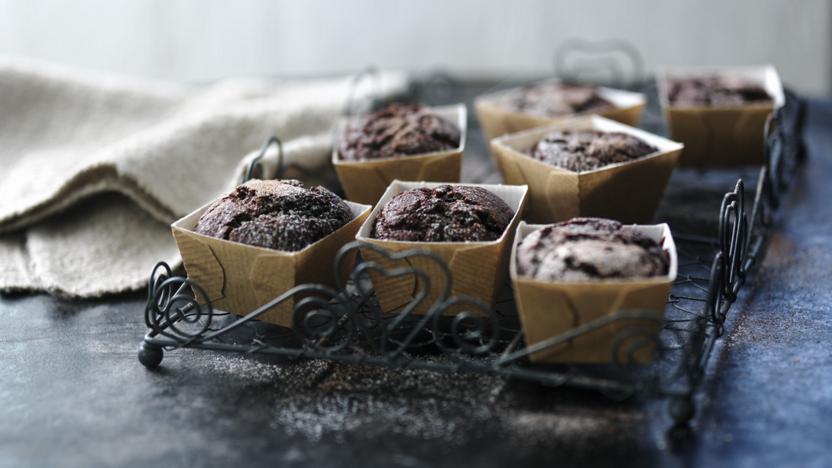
column 73, row 394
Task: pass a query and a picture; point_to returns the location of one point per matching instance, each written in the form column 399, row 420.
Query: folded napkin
column 94, row 168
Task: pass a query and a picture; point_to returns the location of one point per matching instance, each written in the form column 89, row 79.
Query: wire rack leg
column 682, row 409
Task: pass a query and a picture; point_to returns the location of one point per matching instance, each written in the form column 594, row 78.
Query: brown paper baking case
column 497, row 121
column 721, row 136
column 548, row 309
column 629, row 192
column 478, row 269
column 366, row 181
column 238, row 278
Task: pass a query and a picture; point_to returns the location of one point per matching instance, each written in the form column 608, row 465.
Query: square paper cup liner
column 478, row 269
column 497, row 121
column 239, row 278
column 548, row 309
column 721, row 136
column 366, row 181
column 628, row 192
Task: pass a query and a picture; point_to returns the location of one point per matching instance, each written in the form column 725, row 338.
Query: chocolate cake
column 555, row 99
column 443, row 214
column 281, row 215
column 589, row 249
column 715, row 90
column 585, row 150
column 397, row 130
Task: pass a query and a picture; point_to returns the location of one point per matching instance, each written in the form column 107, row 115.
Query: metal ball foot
column 150, row 355
column 682, row 409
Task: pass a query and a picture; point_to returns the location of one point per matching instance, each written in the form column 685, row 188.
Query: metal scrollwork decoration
column 733, row 232
column 613, row 62
column 261, row 168
column 322, row 324
column 474, row 328
column 636, row 344
column 442, row 332
column 256, row 171
column 369, row 72
column 177, row 307
column 390, row 339
column 437, row 88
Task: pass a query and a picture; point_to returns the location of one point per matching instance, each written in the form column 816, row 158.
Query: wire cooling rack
column 345, row 324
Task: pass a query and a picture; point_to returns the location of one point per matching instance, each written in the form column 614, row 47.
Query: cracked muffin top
column 714, row 90
column 397, row 130
column 589, row 249
column 585, row 150
column 446, row 213
column 554, row 99
column 275, row 214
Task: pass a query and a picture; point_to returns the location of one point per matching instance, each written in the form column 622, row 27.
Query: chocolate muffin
column 397, row 130
column 443, row 214
column 589, row 249
column 555, row 99
column 585, row 150
column 281, row 215
column 715, row 91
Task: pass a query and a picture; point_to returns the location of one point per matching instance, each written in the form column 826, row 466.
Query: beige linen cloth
column 94, row 168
